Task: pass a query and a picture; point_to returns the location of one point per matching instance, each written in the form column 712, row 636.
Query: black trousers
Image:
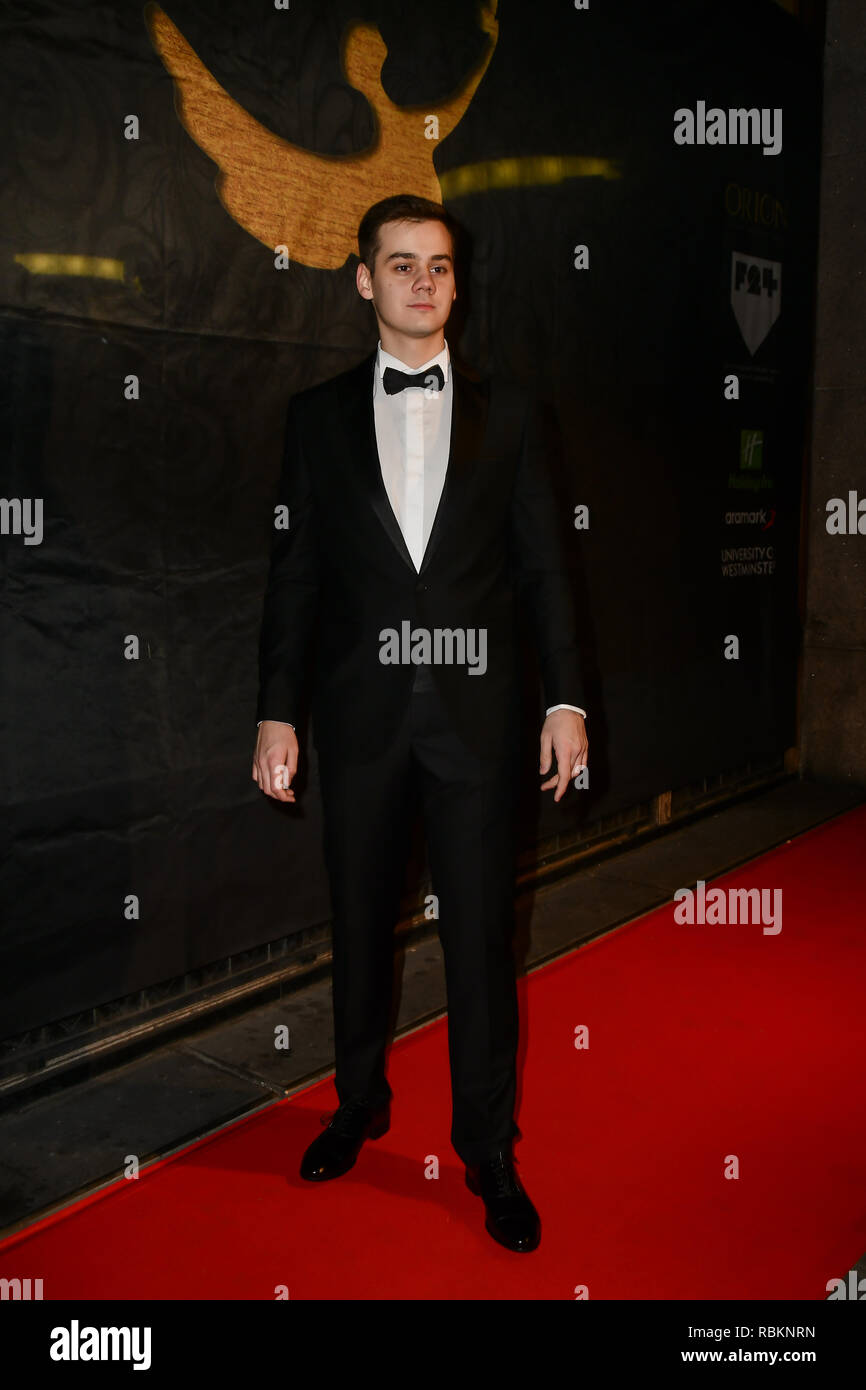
column 469, row 816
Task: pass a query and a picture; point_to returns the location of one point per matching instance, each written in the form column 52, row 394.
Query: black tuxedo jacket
column 341, row 575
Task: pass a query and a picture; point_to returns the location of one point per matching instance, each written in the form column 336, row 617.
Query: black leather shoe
column 334, row 1152
column 511, row 1217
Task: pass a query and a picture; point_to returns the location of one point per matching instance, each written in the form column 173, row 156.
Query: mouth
column 419, row 306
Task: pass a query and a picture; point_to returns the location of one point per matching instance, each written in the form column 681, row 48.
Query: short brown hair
column 403, row 207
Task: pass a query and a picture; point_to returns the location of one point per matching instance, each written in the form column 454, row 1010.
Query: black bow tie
column 395, row 381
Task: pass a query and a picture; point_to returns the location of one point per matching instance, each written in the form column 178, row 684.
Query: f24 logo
column 756, row 296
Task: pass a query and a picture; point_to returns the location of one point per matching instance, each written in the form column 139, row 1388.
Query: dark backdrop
column 133, row 777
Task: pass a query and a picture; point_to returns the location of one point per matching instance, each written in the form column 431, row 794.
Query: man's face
column 412, row 287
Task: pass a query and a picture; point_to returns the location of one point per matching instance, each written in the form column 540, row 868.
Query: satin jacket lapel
column 361, row 438
column 468, row 420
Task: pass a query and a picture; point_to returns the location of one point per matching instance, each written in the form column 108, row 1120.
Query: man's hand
column 275, row 760
column 563, row 733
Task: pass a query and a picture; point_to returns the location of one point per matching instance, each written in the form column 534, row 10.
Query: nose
column 424, row 280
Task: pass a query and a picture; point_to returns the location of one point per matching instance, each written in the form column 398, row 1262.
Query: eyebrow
column 413, row 256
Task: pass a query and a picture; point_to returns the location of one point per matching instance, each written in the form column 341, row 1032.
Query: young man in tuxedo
column 419, row 514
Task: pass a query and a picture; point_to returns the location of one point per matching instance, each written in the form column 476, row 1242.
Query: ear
column 363, row 282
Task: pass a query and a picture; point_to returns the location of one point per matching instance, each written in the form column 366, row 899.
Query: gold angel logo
column 284, row 195
column 312, row 203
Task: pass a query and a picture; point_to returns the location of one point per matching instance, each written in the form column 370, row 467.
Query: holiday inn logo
column 752, row 449
column 750, row 476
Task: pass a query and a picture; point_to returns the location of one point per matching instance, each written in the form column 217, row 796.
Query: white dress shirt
column 413, row 433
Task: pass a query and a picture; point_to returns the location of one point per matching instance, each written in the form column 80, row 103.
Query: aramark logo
column 758, row 517
column 444, row 646
column 719, row 907
column 736, row 126
column 75, row 1343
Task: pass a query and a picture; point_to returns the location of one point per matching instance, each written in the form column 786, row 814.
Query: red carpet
column 705, row 1041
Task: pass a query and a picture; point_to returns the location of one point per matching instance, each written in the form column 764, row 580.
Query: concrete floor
column 76, row 1140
